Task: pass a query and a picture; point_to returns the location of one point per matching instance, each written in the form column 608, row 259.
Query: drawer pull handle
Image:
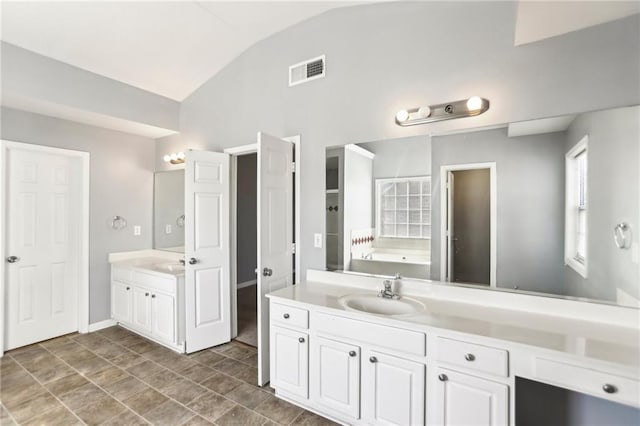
column 609, row 388
column 301, row 340
column 128, row 288
column 153, row 296
column 442, row 377
column 470, row 357
column 373, row 359
column 352, row 353
column 285, row 316
column 146, row 294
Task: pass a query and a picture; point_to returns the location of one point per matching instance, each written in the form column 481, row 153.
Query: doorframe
column 493, row 192
column 235, row 152
column 83, row 264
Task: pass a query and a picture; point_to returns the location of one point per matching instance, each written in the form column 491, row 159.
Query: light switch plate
column 137, row 230
column 167, row 229
column 317, row 240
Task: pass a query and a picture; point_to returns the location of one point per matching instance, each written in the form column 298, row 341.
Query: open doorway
column 469, row 224
column 246, row 250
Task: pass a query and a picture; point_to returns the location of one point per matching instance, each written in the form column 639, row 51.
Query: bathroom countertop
column 152, row 265
column 588, row 339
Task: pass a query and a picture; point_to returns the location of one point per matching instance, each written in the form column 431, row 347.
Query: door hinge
column 293, row 167
column 293, row 248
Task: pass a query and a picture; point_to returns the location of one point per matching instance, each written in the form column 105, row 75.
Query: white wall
column 388, row 56
column 121, row 184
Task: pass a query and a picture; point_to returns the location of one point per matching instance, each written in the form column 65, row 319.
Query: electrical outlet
column 137, row 230
column 167, row 229
column 317, row 240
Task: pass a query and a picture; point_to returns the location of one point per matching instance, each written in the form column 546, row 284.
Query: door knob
column 267, row 272
column 13, row 259
column 193, row 261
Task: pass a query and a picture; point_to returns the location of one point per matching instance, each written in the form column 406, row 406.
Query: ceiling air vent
column 307, row 70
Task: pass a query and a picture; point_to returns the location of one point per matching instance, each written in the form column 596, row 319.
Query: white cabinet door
column 290, row 361
column 163, row 317
column 466, row 400
column 335, row 376
column 121, row 298
column 141, row 308
column 392, row 390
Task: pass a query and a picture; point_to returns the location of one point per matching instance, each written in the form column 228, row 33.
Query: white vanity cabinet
column 290, row 361
column 149, row 304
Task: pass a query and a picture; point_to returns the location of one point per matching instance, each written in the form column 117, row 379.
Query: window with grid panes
column 403, row 207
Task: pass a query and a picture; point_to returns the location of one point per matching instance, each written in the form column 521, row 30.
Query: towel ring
column 118, row 222
column 622, row 235
column 180, row 221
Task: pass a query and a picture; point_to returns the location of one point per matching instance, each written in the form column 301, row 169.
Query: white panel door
column 121, row 300
column 335, row 376
column 291, row 362
column 163, row 316
column 392, row 390
column 464, row 400
column 207, row 250
column 275, row 233
column 42, row 246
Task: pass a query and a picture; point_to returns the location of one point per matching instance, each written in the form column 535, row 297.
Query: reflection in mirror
column 547, row 206
column 168, row 211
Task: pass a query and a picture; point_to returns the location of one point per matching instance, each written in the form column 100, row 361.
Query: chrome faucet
column 387, row 293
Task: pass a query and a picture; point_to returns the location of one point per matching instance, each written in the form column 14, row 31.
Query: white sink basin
column 170, row 267
column 377, row 305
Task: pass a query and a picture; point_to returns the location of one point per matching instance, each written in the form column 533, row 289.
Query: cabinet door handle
column 470, row 357
column 352, row 353
column 609, row 388
column 146, row 294
column 153, row 296
column 373, row 359
column 285, row 316
column 128, row 288
column 442, row 377
column 301, row 340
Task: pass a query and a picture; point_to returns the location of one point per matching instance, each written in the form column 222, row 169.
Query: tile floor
column 115, row 377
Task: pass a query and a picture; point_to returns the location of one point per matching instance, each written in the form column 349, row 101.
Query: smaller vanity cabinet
column 148, row 304
column 469, row 390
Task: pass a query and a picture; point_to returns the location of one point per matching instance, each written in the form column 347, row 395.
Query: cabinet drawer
column 154, row 282
column 290, row 316
column 473, row 357
column 397, row 339
column 120, row 274
column 593, row 382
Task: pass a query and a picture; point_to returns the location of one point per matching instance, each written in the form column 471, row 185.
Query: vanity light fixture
column 174, row 158
column 475, row 105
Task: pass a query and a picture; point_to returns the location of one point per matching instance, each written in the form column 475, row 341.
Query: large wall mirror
column 168, row 211
column 548, row 206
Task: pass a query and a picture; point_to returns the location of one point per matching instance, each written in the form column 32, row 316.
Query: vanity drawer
column 593, row 382
column 120, row 274
column 382, row 336
column 289, row 316
column 474, row 357
column 154, row 282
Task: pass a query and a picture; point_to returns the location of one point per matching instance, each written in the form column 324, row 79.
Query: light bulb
column 402, row 115
column 174, row 156
column 181, row 155
column 166, row 158
column 474, row 103
column 424, row 112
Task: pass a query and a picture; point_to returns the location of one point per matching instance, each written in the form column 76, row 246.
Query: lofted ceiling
column 167, row 48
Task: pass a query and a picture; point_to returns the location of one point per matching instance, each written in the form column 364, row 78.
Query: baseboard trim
column 247, row 284
column 101, row 324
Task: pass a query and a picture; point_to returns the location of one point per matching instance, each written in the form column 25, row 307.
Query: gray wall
column 247, row 237
column 613, row 177
column 30, row 78
column 389, row 56
column 121, row 184
column 530, row 209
